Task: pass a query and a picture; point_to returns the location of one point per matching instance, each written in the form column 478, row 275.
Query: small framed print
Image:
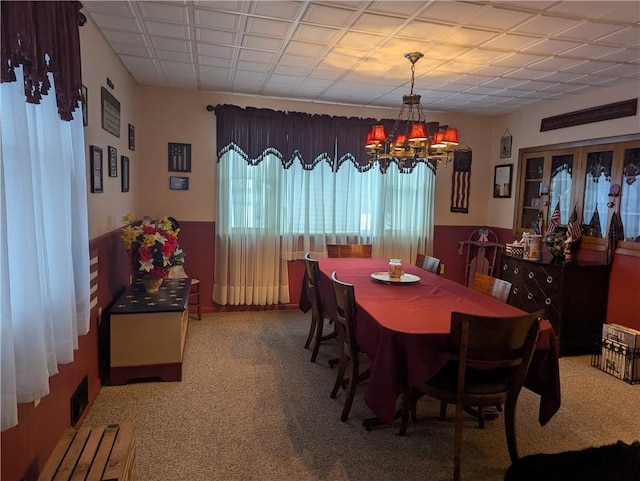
column 124, row 172
column 505, row 145
column 502, row 180
column 96, row 169
column 179, row 157
column 113, row 162
column 132, row 137
column 85, row 108
column 178, row 183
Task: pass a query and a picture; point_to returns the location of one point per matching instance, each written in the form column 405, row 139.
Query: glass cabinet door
column 533, row 181
column 630, row 198
column 560, row 186
column 597, row 184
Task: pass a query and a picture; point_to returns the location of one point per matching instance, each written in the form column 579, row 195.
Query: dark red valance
column 295, row 136
column 43, row 37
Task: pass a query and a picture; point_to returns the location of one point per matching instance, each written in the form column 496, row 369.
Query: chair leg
column 481, row 416
column 457, row 446
column 312, row 329
column 510, row 429
column 340, row 375
column 316, row 345
column 443, row 410
column 351, row 389
column 407, row 409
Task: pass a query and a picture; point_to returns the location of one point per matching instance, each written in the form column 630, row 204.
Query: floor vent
column 79, row 400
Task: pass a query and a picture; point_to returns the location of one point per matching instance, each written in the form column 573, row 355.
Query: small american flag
column 574, row 228
column 555, row 218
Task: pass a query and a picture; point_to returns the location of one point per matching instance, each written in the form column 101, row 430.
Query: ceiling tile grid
column 482, row 57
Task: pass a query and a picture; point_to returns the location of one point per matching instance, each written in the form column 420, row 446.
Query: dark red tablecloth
column 404, row 328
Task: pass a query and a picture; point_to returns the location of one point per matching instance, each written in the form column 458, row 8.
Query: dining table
column 404, row 329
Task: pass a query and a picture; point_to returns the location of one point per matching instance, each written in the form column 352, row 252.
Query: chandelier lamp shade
column 412, row 137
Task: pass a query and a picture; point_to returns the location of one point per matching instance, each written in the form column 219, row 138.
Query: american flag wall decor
column 179, row 157
column 461, row 183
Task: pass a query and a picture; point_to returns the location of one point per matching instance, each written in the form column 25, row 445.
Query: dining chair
column 351, row 356
column 317, row 309
column 349, row 250
column 489, row 361
column 492, row 286
column 428, row 263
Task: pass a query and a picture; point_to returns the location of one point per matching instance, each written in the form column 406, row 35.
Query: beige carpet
column 252, row 407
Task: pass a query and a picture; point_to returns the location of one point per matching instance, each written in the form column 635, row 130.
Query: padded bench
column 99, row 453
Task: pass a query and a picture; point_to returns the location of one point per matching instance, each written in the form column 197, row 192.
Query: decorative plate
column 405, row 279
column 554, row 241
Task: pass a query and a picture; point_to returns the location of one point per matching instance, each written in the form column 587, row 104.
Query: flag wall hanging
column 461, row 182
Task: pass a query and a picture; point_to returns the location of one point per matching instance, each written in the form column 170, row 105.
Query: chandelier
column 412, row 138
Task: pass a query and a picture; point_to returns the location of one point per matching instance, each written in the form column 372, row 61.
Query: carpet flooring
column 252, row 407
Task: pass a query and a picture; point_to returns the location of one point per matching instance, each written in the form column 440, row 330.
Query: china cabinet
column 597, row 178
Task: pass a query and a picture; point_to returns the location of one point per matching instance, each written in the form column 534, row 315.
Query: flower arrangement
column 153, row 245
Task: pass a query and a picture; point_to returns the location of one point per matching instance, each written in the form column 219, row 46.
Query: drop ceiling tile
column 400, row 8
column 132, row 50
column 215, row 36
column 139, row 63
column 497, row 18
column 378, row 23
column 279, row 10
column 327, row 15
column 121, row 9
column 550, row 46
column 134, row 39
column 247, row 55
column 171, row 44
column 253, row 67
column 297, row 61
column 167, row 30
column 588, row 66
column 452, row 12
column 272, row 28
column 511, row 42
column 215, row 51
column 175, row 56
column 261, row 43
column 525, row 74
column 589, row 31
column 311, row 33
column 546, row 25
column 618, row 70
column 426, row 30
column 163, row 11
column 304, row 48
column 214, row 62
column 625, row 37
column 299, row 72
column 216, row 20
column 482, row 56
column 177, row 67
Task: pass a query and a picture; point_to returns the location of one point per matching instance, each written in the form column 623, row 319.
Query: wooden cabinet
column 574, row 297
column 148, row 332
column 581, row 175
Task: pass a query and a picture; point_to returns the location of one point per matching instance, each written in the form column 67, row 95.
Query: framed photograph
column 85, row 107
column 110, row 112
column 179, row 157
column 505, row 145
column 96, row 169
column 178, row 183
column 132, row 137
column 124, row 170
column 113, row 162
column 502, row 180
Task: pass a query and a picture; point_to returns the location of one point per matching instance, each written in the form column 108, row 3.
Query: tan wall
column 171, row 115
column 98, row 63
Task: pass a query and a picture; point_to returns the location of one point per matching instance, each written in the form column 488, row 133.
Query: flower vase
column 152, row 284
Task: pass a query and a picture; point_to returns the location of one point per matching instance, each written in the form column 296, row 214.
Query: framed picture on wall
column 96, row 169
column 502, row 180
column 505, row 145
column 113, row 162
column 132, row 137
column 178, row 183
column 179, row 157
column 124, row 171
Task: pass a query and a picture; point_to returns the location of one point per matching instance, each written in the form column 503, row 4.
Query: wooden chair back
column 349, row 250
column 490, row 360
column 345, row 303
column 312, row 281
column 428, row 263
column 491, row 286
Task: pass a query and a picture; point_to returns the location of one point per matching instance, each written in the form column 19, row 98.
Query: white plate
column 384, row 277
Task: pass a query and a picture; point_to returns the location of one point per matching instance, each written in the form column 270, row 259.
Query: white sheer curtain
column 268, row 215
column 44, row 254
